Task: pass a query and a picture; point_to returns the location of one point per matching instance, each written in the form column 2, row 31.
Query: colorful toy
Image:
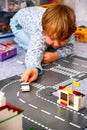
column 25, row 86
column 4, row 28
column 9, row 115
column 12, row 5
column 7, row 51
column 81, row 34
column 71, row 98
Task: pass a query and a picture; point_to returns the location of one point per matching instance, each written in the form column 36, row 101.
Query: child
column 37, row 28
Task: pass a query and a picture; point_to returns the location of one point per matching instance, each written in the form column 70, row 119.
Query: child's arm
column 30, row 75
column 66, row 50
column 35, row 52
column 50, row 57
column 59, row 53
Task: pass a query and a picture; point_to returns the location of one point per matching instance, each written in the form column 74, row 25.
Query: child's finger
column 24, row 77
column 32, row 78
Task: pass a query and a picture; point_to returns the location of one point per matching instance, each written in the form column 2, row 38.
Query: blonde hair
column 59, row 20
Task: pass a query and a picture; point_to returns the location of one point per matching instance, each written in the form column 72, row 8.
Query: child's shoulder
column 32, row 9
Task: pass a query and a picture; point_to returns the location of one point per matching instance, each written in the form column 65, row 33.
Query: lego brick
column 81, row 34
column 7, row 51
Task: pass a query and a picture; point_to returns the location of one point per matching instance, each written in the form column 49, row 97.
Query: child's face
column 55, row 43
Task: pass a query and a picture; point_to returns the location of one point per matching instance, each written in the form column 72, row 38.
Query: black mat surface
column 41, row 111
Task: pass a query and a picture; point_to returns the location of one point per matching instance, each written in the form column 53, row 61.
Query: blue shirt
column 26, row 26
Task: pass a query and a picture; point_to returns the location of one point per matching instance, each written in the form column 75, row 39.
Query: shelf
column 6, row 35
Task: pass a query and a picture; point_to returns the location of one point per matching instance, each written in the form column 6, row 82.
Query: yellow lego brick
column 81, row 34
column 69, row 90
column 76, row 84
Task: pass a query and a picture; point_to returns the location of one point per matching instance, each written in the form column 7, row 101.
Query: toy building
column 7, row 51
column 81, row 34
column 10, row 115
column 70, row 98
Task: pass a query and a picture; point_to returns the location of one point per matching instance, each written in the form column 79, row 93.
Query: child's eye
column 51, row 38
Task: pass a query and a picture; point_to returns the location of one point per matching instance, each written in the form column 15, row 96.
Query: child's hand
column 50, row 57
column 30, row 75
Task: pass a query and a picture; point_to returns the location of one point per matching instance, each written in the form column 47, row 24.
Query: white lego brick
column 25, row 86
column 76, row 103
column 2, row 94
column 2, row 99
column 82, row 102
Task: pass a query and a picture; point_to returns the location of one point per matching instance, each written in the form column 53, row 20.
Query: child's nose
column 56, row 44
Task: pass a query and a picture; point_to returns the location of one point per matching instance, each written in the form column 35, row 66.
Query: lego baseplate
column 41, row 111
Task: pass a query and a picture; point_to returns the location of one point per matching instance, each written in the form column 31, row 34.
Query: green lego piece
column 31, row 129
